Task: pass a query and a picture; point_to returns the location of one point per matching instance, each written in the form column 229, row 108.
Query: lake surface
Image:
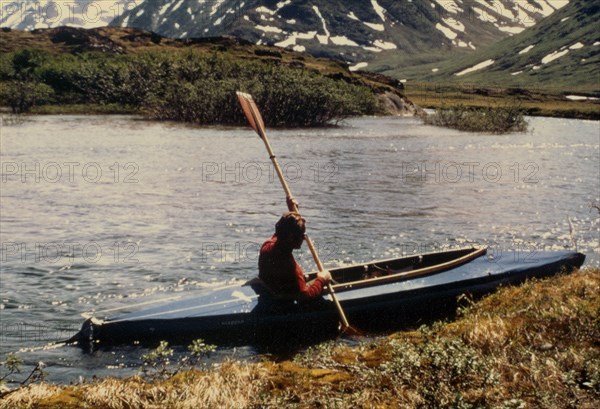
column 99, row 213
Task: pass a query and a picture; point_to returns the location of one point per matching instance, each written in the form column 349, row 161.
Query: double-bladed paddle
column 256, row 122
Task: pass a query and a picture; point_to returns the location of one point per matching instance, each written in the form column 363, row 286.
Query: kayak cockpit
column 392, row 270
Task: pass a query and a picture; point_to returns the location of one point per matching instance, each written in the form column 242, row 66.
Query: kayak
column 375, row 296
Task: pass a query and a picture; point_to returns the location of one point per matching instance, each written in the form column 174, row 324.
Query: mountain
column 360, row 32
column 356, row 31
column 563, row 50
column 503, row 41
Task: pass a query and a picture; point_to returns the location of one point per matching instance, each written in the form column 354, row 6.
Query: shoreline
column 550, row 108
column 424, row 95
column 534, row 102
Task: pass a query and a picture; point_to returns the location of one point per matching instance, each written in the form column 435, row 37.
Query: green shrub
column 202, row 90
column 509, row 118
column 187, row 86
column 441, row 370
column 21, row 96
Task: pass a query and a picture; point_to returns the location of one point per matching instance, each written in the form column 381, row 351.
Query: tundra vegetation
column 535, row 345
column 498, row 120
column 186, row 86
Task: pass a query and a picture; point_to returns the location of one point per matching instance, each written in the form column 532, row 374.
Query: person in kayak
column 277, row 267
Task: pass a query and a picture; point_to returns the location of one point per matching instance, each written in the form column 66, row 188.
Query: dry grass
column 533, row 346
column 232, row 385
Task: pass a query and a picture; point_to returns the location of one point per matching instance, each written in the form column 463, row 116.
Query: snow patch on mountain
column 175, row 7
column 526, row 49
column 581, row 98
column 352, row 16
column 291, row 40
column 375, row 26
column 267, row 29
column 454, row 24
column 474, row 68
column 484, row 15
column 164, row 9
column 385, row 45
column 525, row 14
column 343, row 40
column 358, row 66
column 323, row 39
column 216, row 5
column 449, row 5
column 547, row 8
column 446, row 31
column 264, row 10
column 378, row 9
column 553, row 56
column 511, row 29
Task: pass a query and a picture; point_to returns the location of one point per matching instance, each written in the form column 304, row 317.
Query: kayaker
column 277, row 267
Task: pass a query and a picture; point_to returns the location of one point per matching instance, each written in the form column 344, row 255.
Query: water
column 100, row 213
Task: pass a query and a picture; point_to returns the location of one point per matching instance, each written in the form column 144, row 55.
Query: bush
column 440, row 370
column 509, row 118
column 202, row 90
column 21, row 96
column 186, row 86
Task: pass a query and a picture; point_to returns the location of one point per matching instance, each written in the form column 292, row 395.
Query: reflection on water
column 104, row 212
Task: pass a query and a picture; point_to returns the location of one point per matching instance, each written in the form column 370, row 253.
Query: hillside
column 354, row 31
column 147, row 73
column 561, row 52
column 116, row 40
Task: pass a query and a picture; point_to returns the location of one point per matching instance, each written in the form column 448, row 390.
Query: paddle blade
column 252, row 113
column 352, row 331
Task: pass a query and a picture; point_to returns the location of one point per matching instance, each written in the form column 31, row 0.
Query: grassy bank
column 534, row 102
column 533, row 346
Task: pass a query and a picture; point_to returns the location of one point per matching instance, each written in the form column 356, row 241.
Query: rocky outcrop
column 394, row 103
column 83, row 40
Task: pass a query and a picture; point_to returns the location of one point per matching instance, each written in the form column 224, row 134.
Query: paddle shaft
column 256, row 120
column 308, row 240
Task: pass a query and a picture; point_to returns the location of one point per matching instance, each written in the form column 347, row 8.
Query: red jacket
column 284, row 277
